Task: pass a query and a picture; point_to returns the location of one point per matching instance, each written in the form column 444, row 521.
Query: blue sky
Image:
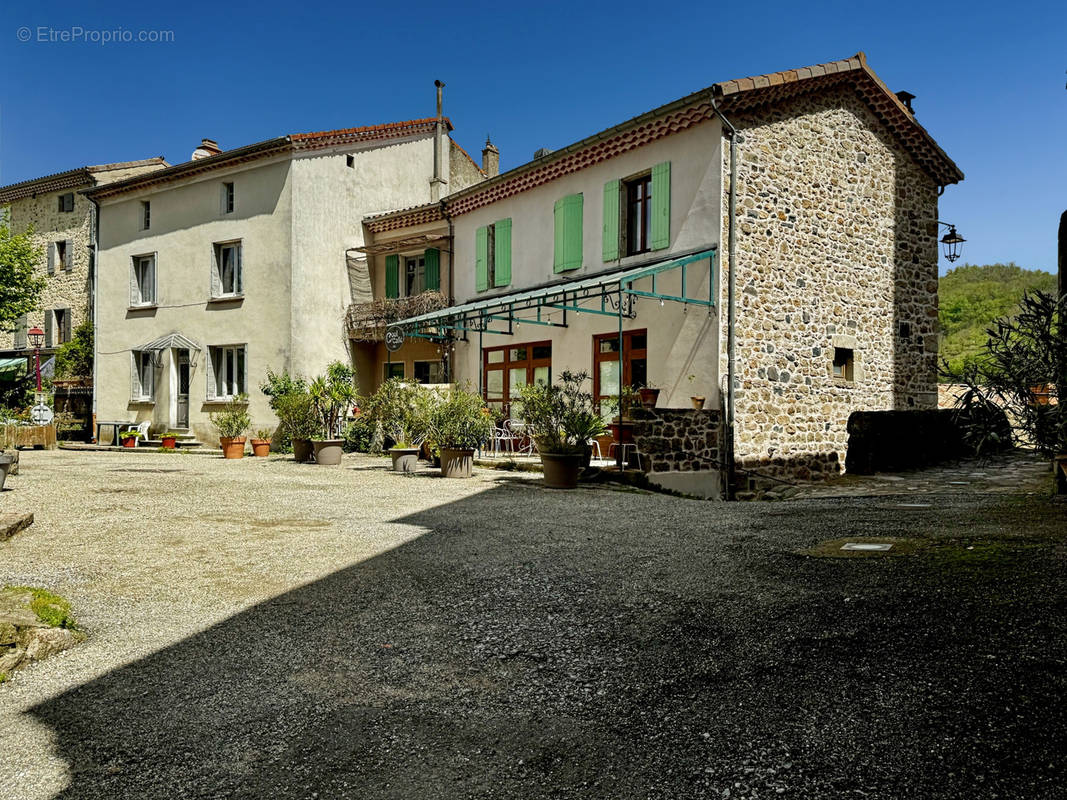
column 989, row 79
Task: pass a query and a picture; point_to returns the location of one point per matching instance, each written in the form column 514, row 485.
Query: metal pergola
column 609, row 295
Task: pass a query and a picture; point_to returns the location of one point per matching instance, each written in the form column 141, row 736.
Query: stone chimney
column 208, row 147
column 490, row 159
column 906, row 98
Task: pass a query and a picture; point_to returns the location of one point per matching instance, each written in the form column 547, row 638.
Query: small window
column 429, row 372
column 393, row 369
column 227, row 198
column 414, row 275
column 844, row 363
column 638, row 198
column 66, row 202
column 351, row 161
column 57, row 327
column 904, row 330
column 228, row 376
column 146, row 215
column 226, row 277
column 143, row 379
column 143, row 281
column 63, row 255
column 22, row 325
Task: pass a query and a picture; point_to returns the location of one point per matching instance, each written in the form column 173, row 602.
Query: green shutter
column 557, row 252
column 611, row 221
column 661, row 205
column 392, row 276
column 481, row 259
column 572, row 246
column 502, row 266
column 433, row 269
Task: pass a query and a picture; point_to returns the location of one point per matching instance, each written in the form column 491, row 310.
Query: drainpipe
column 450, row 339
column 435, row 184
column 731, row 312
column 94, row 281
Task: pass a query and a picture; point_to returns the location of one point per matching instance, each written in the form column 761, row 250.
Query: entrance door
column 606, row 366
column 182, row 420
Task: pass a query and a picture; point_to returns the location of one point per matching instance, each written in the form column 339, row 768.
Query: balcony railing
column 367, row 322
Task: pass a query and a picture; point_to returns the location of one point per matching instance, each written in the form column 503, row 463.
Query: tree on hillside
column 20, row 289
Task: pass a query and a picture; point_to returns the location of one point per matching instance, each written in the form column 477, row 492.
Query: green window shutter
column 661, row 205
column 433, row 269
column 502, row 273
column 481, row 259
column 572, row 227
column 611, row 221
column 392, row 276
column 557, row 251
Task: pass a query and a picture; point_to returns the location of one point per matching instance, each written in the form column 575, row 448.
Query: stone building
column 62, row 219
column 612, row 256
column 237, row 261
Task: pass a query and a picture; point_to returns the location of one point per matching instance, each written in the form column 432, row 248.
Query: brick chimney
column 490, row 159
column 207, row 148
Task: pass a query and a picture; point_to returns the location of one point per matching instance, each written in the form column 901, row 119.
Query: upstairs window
column 567, row 250
column 56, row 326
column 60, row 256
column 228, row 198
column 226, row 277
column 146, row 215
column 227, row 372
column 22, row 326
column 414, row 275
column 143, row 281
column 66, row 202
column 844, row 364
column 408, row 276
column 492, row 258
column 637, row 213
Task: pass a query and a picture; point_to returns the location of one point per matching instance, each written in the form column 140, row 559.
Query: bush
column 363, row 435
column 561, row 418
column 74, row 359
column 233, row 420
column 460, row 421
column 403, row 410
column 297, row 416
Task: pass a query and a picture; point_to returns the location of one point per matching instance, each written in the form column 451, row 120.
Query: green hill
column 972, row 296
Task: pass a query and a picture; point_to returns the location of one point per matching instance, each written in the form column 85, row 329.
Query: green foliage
column 563, row 417
column 74, row 359
column 364, row 435
column 233, row 420
column 297, row 416
column 403, row 410
column 131, row 435
column 50, row 608
column 279, row 385
column 460, row 421
column 333, row 395
column 20, row 288
column 971, row 297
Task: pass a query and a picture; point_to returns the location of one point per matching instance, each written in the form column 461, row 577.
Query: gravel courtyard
column 262, row 629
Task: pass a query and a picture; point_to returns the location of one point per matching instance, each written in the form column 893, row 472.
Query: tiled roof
column 71, row 179
column 271, row 147
column 404, row 217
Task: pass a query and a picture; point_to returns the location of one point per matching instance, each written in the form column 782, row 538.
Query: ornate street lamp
column 36, row 337
column 951, row 242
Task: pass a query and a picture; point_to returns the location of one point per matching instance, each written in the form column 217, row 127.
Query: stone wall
column 677, row 440
column 837, row 247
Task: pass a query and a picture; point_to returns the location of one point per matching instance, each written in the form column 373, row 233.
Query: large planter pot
column 562, row 469
column 697, row 401
column 170, row 442
column 261, row 447
column 5, row 465
column 232, row 446
column 328, row 452
column 456, row 463
column 648, row 397
column 302, row 450
column 622, row 431
column 405, row 459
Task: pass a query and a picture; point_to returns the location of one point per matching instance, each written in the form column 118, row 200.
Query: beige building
column 62, row 219
column 612, row 255
column 238, row 261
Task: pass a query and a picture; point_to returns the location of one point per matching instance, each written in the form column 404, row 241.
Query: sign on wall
column 394, row 338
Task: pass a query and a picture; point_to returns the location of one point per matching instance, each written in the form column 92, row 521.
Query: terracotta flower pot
column 261, row 447
column 648, row 397
column 328, row 452
column 698, row 402
column 562, row 469
column 405, row 459
column 130, row 441
column 456, row 463
column 232, row 446
column 301, row 450
column 170, row 442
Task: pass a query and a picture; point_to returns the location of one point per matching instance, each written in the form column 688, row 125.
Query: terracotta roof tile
column 70, row 179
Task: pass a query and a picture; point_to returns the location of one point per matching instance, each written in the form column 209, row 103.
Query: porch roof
column 176, row 341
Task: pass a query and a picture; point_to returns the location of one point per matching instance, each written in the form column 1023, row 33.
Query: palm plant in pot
column 562, row 419
column 231, row 424
column 405, row 411
column 460, row 423
column 333, row 395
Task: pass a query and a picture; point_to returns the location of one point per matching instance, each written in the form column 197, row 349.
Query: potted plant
column 170, row 440
column 231, row 423
column 459, row 424
column 648, row 395
column 404, row 411
column 697, row 399
column 299, row 420
column 129, row 438
column 261, row 442
column 333, row 395
column 562, row 419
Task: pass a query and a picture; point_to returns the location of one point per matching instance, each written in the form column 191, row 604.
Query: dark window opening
column 844, row 363
column 638, row 215
column 227, row 198
column 66, row 201
column 429, row 372
column 393, row 369
column 146, row 215
column 351, row 161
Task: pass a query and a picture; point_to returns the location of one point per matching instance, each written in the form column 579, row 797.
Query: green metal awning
column 610, row 294
column 11, row 368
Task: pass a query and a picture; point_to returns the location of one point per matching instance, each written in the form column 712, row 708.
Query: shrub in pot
column 333, row 395
column 298, row 420
column 231, row 424
column 169, row 440
column 129, row 438
column 261, row 442
column 460, row 423
column 648, row 395
column 405, row 412
column 562, row 419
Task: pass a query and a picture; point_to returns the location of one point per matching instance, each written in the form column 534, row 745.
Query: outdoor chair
column 517, row 430
column 140, row 427
column 503, row 438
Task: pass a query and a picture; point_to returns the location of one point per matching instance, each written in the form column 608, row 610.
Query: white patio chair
column 502, row 437
column 140, row 427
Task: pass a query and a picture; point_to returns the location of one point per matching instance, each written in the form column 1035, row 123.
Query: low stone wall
column 888, row 441
column 680, row 448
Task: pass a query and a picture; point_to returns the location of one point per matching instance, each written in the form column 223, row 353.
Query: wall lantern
column 36, row 337
column 951, row 242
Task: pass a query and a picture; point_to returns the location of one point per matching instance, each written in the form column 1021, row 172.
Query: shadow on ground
column 528, row 646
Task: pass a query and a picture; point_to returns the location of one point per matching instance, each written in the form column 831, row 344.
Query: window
column 505, row 370
column 66, row 202
column 226, row 278
column 844, row 363
column 429, row 372
column 414, row 275
column 492, row 258
column 56, row 326
column 227, row 198
column 146, row 215
column 567, row 250
column 22, row 326
column 143, row 281
column 142, row 377
column 606, row 366
column 407, row 276
column 393, row 369
column 227, row 372
column 638, row 215
column 351, row 161
column 61, row 256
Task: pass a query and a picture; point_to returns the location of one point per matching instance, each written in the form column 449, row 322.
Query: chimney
column 906, row 98
column 490, row 159
column 207, row 148
column 438, row 181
